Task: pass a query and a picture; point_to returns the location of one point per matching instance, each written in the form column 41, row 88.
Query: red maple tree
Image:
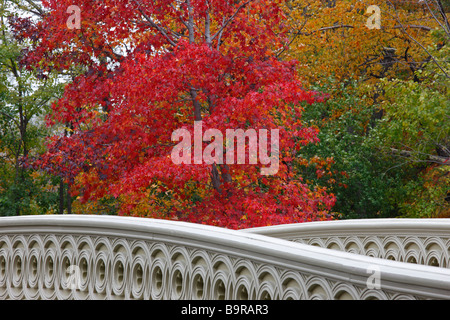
column 149, row 68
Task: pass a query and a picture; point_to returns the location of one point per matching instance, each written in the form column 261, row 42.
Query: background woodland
column 86, row 115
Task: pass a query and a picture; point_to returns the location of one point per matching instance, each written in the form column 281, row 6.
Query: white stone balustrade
column 109, row 257
column 421, row 241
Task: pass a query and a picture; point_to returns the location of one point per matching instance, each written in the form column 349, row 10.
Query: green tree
column 416, row 130
column 363, row 183
column 25, row 96
column 389, row 136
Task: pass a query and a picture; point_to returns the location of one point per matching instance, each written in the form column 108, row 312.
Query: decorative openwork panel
column 419, row 241
column 432, row 251
column 87, row 257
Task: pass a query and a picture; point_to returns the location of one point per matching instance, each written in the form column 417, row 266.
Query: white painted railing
column 108, row 257
column 421, row 241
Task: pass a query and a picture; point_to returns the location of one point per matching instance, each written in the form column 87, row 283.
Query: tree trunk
column 61, row 197
column 69, row 200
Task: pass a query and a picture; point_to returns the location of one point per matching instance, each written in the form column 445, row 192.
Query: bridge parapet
column 420, row 241
column 110, row 257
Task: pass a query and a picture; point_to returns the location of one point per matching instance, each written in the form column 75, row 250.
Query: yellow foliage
column 335, row 40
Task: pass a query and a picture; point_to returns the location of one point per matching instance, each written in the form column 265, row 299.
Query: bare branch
column 417, row 42
column 413, row 26
column 181, row 19
column 154, row 25
column 332, row 27
column 190, row 25
column 293, row 39
column 444, row 16
column 35, row 6
column 220, row 35
column 208, row 30
column 230, row 19
column 10, row 117
column 430, row 158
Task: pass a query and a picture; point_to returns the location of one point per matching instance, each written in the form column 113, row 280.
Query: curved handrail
column 422, row 241
column 139, row 258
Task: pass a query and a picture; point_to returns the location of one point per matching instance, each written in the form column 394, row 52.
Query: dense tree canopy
column 355, row 92
column 24, row 100
column 154, row 67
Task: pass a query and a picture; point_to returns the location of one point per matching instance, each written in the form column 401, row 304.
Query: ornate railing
column 106, row 257
column 420, row 241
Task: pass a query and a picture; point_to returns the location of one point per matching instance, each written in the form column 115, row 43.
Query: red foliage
column 125, row 106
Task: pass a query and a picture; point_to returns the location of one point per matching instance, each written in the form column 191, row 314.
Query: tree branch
column 230, row 19
column 154, row 25
column 417, row 42
column 430, row 158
